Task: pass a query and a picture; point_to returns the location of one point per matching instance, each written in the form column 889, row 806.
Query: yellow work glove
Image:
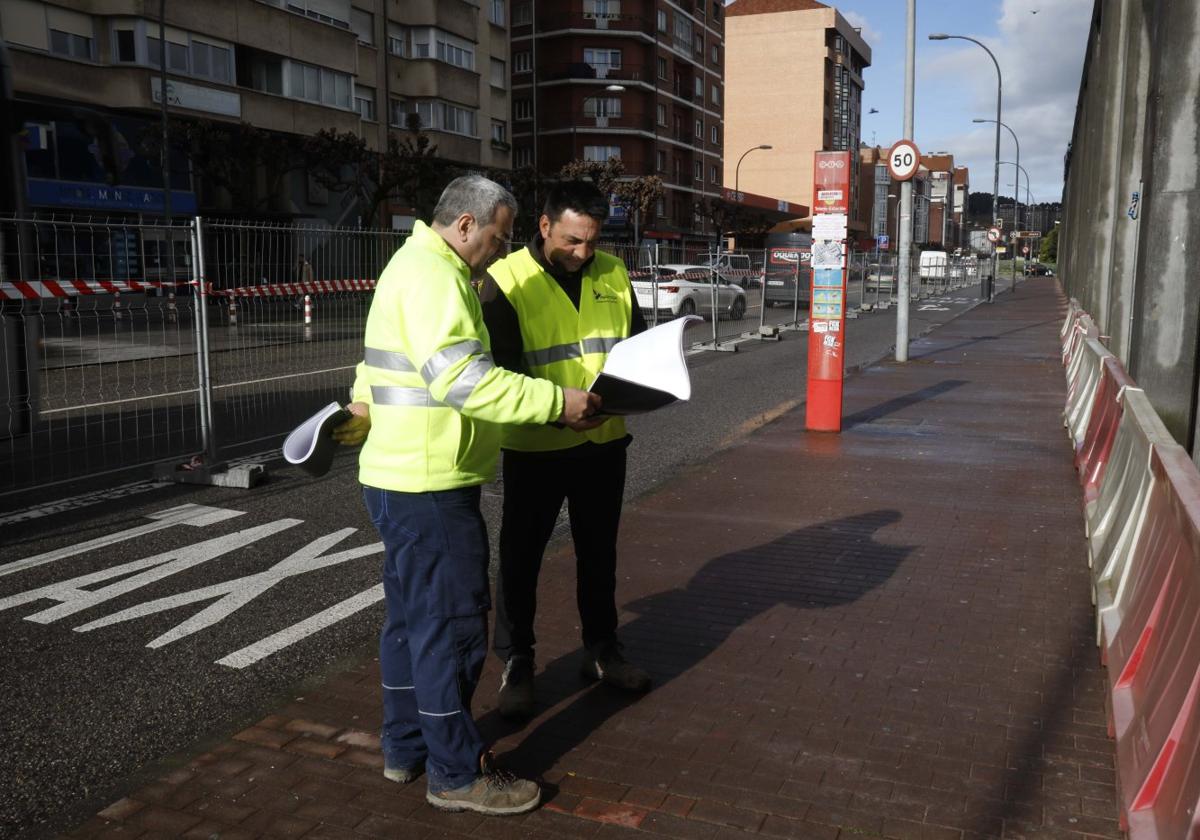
column 354, row 431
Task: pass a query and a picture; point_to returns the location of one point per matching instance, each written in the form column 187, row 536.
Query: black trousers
column 534, row 489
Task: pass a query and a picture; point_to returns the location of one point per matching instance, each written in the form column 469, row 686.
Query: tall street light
column 1016, row 221
column 941, row 36
column 737, row 193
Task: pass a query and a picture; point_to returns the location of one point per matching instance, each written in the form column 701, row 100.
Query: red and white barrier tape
column 30, row 290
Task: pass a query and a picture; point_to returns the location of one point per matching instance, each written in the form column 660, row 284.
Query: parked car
column 1039, row 270
column 688, row 290
column 784, row 264
column 933, row 266
column 736, row 268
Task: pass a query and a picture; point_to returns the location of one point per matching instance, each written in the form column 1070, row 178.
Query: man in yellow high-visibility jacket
column 434, row 403
column 554, row 310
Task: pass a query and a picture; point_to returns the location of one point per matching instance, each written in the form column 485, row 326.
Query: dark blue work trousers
column 434, row 640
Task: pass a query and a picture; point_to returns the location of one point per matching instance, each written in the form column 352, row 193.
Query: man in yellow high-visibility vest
column 554, row 309
column 434, row 402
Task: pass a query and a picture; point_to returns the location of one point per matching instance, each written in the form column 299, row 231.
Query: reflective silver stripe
column 388, row 360
column 599, row 345
column 399, row 395
column 465, row 384
column 441, row 361
column 559, row 353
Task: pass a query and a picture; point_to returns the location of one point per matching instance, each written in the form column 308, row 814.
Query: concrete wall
column 1136, row 131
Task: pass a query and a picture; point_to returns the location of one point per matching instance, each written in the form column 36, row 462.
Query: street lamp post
column 1017, row 165
column 737, row 193
column 941, row 36
column 1017, row 191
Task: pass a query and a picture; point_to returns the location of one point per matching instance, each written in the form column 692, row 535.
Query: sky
column 1039, row 45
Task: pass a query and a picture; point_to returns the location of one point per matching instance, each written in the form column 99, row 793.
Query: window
column 428, row 42
column 499, row 131
column 716, row 136
column 716, row 55
column 442, row 116
column 698, row 87
column 523, row 156
column 363, row 24
column 716, row 95
column 70, row 45
column 602, row 61
column 660, row 160
column 522, row 109
column 717, row 9
column 602, row 106
column 210, row 61
column 364, row 102
column 496, row 14
column 500, row 74
column 683, row 32
column 397, row 40
column 660, row 209
column 661, row 110
column 522, row 15
column 662, row 67
column 522, row 62
column 700, row 129
column 266, row 74
column 712, row 175
column 601, row 9
column 125, row 49
column 177, row 53
column 318, row 84
column 699, row 44
column 601, row 153
column 662, row 20
column 398, row 112
column 321, row 10
column 698, row 170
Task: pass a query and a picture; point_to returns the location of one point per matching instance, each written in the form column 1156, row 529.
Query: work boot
column 516, row 688
column 604, row 662
column 403, row 775
column 494, row 791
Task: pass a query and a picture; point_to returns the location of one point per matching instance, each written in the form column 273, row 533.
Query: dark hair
column 582, row 197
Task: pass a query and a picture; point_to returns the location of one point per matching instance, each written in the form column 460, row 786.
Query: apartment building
column 638, row 80
column 794, row 81
column 87, row 90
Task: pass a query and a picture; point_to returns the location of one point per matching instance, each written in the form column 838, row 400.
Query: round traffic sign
column 1025, row 250
column 903, row 159
column 993, row 234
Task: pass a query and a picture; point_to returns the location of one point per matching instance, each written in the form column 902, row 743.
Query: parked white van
column 933, row 266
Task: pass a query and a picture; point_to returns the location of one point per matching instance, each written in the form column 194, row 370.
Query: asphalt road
column 129, row 641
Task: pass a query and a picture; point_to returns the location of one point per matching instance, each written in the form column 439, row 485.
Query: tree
column 638, row 195
column 1049, row 250
column 248, row 163
column 412, row 169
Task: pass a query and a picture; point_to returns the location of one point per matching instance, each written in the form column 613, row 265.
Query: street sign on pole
column 882, row 241
column 1025, row 250
column 903, row 160
column 993, row 234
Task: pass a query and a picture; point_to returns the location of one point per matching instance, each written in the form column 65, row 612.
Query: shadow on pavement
column 822, row 566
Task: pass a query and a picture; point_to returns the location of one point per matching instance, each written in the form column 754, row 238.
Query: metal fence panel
column 97, row 348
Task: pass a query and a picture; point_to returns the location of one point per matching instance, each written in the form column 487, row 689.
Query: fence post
column 204, row 382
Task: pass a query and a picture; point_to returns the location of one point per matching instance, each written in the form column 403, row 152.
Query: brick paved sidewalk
column 883, row 633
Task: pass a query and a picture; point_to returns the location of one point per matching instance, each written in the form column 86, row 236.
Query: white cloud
column 1041, row 58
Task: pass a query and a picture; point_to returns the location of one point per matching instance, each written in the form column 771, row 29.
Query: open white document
column 310, row 446
column 646, row 371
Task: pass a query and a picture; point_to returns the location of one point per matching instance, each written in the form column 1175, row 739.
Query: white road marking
column 73, row 598
column 290, row 635
column 235, row 594
column 81, row 501
column 198, row 516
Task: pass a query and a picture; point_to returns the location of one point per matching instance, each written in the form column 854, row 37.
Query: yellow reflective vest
column 437, row 401
column 562, row 344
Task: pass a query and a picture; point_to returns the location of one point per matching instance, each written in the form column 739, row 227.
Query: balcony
column 612, row 23
column 607, row 72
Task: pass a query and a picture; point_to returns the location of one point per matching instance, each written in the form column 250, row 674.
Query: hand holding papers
column 646, row 371
column 310, row 446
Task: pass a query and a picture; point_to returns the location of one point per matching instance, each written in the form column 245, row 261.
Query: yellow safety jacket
column 562, row 344
column 437, row 401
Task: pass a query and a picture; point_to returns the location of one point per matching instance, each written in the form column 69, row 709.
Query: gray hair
column 472, row 194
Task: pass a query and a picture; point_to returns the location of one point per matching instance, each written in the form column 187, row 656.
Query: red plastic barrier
column 1091, row 456
column 1153, row 647
column 1081, row 395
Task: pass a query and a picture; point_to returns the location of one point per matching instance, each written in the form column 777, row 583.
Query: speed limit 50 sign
column 903, row 159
